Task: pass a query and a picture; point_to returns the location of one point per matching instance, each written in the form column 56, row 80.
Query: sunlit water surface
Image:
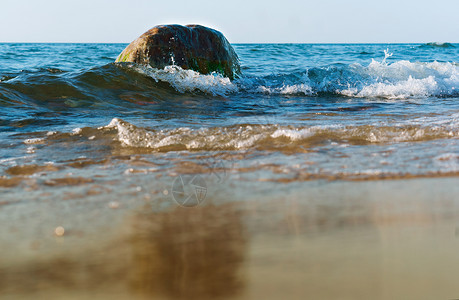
column 325, row 171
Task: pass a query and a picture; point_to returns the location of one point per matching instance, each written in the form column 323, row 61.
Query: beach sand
column 381, row 239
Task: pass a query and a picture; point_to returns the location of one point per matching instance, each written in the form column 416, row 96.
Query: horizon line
column 253, row 43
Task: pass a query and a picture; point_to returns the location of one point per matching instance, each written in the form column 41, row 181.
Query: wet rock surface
column 194, row 47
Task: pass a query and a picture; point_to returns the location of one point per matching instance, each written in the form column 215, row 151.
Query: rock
column 194, row 47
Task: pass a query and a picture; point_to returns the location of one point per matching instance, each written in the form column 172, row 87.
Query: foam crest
column 295, row 134
column 404, row 79
column 296, row 89
column 267, row 137
column 400, row 90
column 190, row 81
column 380, row 79
column 183, row 138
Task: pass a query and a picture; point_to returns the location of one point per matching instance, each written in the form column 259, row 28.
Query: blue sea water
column 298, row 112
column 97, row 160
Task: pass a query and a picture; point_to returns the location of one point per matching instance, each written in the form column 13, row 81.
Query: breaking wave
column 189, row 81
column 272, row 136
column 114, row 82
column 397, row 80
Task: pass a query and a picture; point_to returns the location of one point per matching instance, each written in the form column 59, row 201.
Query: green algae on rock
column 194, row 47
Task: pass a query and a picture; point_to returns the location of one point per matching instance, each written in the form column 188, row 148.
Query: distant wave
column 437, row 45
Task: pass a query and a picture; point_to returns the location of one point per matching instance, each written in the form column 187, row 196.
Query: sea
column 308, row 146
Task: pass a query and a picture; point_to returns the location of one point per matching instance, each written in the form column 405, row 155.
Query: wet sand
column 391, row 239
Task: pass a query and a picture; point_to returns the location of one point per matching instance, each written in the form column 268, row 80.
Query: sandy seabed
column 390, row 239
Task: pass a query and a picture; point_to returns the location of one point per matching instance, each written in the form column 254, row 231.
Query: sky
column 241, row 21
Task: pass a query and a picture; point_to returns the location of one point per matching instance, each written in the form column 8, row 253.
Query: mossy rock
column 194, row 47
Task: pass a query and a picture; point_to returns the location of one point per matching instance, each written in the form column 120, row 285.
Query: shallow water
column 347, row 110
column 363, row 134
column 339, row 239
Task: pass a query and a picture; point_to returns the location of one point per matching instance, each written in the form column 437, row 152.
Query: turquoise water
column 299, row 112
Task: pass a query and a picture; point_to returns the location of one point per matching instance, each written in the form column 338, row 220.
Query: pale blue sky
column 242, row 21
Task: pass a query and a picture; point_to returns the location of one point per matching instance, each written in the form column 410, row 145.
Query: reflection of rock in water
column 188, row 253
column 184, row 253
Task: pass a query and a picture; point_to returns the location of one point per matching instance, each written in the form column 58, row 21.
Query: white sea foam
column 268, row 136
column 398, row 80
column 76, row 131
column 295, row 134
column 295, row 89
column 190, row 81
column 404, row 79
column 400, row 90
column 34, row 141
